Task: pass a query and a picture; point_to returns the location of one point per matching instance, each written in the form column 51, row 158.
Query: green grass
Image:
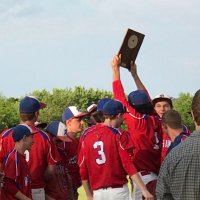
column 82, row 195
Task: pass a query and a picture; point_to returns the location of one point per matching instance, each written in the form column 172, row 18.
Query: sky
column 46, row 44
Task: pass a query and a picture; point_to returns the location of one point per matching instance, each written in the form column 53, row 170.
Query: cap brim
column 92, row 109
column 80, row 115
column 43, row 105
column 155, row 100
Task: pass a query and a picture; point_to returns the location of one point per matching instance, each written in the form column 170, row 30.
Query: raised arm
column 136, row 78
column 118, row 90
column 116, row 67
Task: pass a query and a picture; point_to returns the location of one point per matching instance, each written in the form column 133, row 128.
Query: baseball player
column 163, row 103
column 17, row 176
column 94, row 112
column 43, row 154
column 105, row 158
column 73, row 120
column 143, row 126
column 91, row 110
column 60, row 186
column 172, row 126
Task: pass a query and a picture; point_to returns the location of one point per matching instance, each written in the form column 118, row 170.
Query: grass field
column 82, row 195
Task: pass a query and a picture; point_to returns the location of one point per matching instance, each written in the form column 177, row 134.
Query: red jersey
column 58, row 187
column 104, row 159
column 145, row 132
column 71, row 149
column 43, row 152
column 17, row 176
column 6, row 146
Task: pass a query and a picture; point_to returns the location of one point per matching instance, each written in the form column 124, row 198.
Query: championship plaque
column 130, row 47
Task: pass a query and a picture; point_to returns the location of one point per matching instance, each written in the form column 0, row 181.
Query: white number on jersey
column 26, row 155
column 102, row 158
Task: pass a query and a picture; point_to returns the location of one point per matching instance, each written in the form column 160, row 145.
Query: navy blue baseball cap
column 72, row 112
column 113, row 107
column 56, row 128
column 101, row 103
column 20, row 131
column 138, row 97
column 30, row 104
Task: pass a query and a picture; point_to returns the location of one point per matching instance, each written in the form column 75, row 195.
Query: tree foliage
column 183, row 105
column 9, row 114
column 59, row 99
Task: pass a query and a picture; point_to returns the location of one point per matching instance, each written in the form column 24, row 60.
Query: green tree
column 8, row 112
column 183, row 105
column 59, row 99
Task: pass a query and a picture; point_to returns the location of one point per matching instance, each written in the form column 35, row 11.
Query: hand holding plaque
column 130, row 47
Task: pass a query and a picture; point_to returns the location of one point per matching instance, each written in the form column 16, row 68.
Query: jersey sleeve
column 2, row 154
column 125, row 151
column 10, row 176
column 81, row 162
column 53, row 155
column 10, row 169
column 118, row 92
column 125, row 140
column 10, row 186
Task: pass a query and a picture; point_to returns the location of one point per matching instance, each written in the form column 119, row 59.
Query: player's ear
column 192, row 114
column 164, row 125
column 37, row 114
column 24, row 138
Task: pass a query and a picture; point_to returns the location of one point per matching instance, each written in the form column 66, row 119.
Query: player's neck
column 71, row 135
column 29, row 123
column 197, row 127
column 19, row 147
column 174, row 133
column 111, row 123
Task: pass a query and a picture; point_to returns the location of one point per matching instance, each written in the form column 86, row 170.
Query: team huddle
column 52, row 163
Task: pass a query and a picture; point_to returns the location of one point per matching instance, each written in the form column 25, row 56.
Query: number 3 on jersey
column 102, row 159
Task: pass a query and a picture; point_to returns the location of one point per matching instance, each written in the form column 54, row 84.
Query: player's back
column 43, row 153
column 100, row 147
column 146, row 134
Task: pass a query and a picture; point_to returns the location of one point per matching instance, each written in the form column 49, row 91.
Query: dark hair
column 27, row 116
column 196, row 107
column 95, row 117
column 144, row 108
column 172, row 118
